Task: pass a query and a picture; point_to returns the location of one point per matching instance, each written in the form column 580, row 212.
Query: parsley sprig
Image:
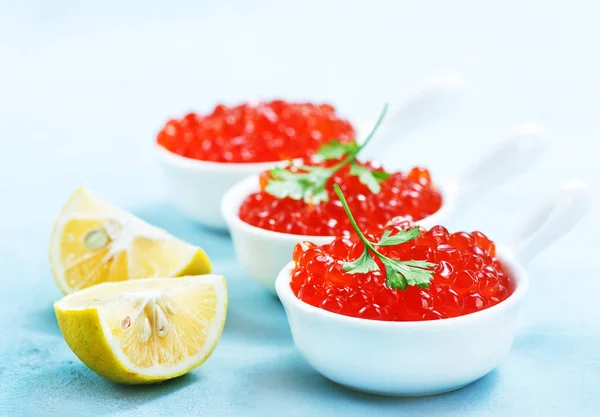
column 399, row 274
column 309, row 183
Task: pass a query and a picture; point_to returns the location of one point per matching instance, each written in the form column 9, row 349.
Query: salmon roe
column 412, row 195
column 467, row 277
column 255, row 132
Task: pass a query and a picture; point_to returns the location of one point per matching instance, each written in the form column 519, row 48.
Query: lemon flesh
column 94, row 242
column 146, row 330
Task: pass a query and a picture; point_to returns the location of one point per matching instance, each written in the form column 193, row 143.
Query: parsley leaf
column 381, row 175
column 363, row 264
column 399, row 274
column 401, row 237
column 370, row 178
column 308, row 186
column 394, row 278
column 336, row 149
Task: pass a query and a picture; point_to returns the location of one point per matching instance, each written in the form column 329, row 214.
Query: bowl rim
column 236, row 194
column 184, row 162
column 290, row 301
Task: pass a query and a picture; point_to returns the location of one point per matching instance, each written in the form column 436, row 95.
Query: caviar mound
column 255, row 132
column 467, row 277
column 411, row 194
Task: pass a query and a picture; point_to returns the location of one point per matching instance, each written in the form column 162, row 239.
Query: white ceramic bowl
column 403, row 358
column 263, row 253
column 429, row 357
column 197, row 187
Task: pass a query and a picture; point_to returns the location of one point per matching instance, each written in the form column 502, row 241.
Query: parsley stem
column 310, row 183
column 338, row 192
column 399, row 274
column 353, row 155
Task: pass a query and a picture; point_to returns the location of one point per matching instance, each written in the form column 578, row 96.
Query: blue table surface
column 84, row 88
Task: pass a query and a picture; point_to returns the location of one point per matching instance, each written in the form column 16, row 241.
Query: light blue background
column 85, row 86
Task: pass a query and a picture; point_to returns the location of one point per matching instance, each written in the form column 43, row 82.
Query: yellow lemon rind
column 85, row 333
column 198, row 262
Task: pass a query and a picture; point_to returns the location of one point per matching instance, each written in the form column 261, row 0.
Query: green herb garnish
column 309, row 183
column 336, row 149
column 399, row 274
column 370, row 178
column 308, row 186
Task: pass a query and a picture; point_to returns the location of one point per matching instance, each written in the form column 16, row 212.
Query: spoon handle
column 554, row 218
column 506, row 160
column 431, row 101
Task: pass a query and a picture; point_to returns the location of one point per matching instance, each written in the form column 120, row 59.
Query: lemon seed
column 96, row 239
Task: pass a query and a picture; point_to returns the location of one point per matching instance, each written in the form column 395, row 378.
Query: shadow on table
column 293, row 379
column 254, row 315
column 71, row 387
column 43, row 321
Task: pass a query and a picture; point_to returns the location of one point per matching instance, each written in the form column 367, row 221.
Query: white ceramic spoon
column 507, row 159
column 435, row 98
column 263, row 253
column 552, row 219
column 440, row 355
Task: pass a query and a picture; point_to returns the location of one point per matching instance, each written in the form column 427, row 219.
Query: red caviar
column 411, row 194
column 255, row 132
column 467, row 277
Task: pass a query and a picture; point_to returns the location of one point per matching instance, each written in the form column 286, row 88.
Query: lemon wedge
column 146, row 330
column 94, row 242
